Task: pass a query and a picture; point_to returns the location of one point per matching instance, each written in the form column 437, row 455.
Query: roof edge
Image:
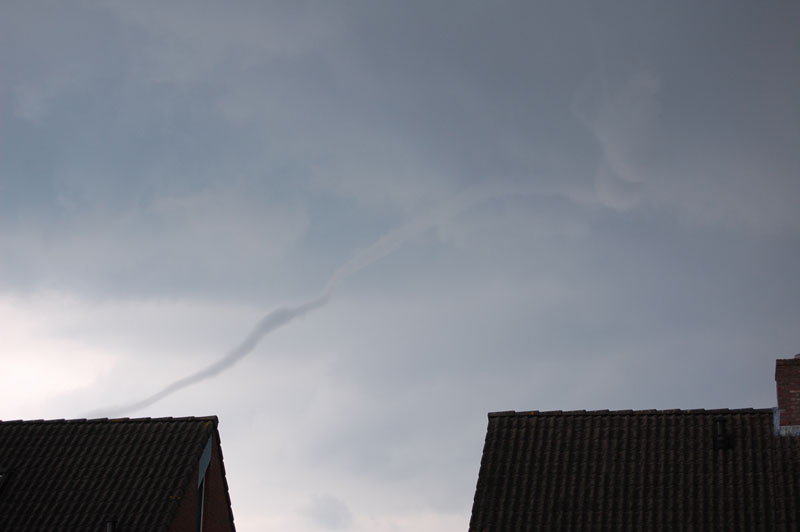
column 702, row 411
column 218, row 442
column 213, row 419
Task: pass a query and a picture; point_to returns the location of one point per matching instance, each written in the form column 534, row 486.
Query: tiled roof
column 637, row 470
column 79, row 474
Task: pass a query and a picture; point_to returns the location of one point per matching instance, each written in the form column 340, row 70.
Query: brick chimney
column 787, row 380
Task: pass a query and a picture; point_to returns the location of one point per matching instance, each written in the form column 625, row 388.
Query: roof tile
column 636, row 470
column 74, row 474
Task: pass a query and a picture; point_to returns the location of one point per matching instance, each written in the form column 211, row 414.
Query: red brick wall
column 787, row 380
column 215, row 509
column 216, row 517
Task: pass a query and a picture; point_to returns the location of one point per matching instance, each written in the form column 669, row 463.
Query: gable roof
column 79, row 474
column 637, row 470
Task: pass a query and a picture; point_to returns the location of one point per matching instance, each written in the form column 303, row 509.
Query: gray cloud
column 623, row 124
column 174, row 169
column 385, row 245
column 329, row 513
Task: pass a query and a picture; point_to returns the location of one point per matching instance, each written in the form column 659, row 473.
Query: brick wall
column 215, row 510
column 787, row 381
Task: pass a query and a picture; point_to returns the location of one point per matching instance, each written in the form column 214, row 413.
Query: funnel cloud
column 281, row 316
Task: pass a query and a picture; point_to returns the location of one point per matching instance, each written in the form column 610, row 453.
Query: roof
column 78, row 474
column 637, row 470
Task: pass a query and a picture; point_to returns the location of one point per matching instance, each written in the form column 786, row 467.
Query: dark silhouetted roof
column 637, row 470
column 78, row 474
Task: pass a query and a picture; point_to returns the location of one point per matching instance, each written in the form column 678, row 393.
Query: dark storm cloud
column 392, row 105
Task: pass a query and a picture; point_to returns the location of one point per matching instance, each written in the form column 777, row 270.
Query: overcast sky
column 530, row 205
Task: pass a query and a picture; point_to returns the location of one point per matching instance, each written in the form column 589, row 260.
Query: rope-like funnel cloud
column 267, row 324
column 279, row 317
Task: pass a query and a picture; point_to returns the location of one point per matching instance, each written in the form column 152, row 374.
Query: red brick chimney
column 787, row 380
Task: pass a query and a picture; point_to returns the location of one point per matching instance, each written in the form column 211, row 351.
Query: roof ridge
column 676, row 411
column 212, row 418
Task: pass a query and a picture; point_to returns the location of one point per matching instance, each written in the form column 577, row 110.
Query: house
column 113, row 475
column 644, row 470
